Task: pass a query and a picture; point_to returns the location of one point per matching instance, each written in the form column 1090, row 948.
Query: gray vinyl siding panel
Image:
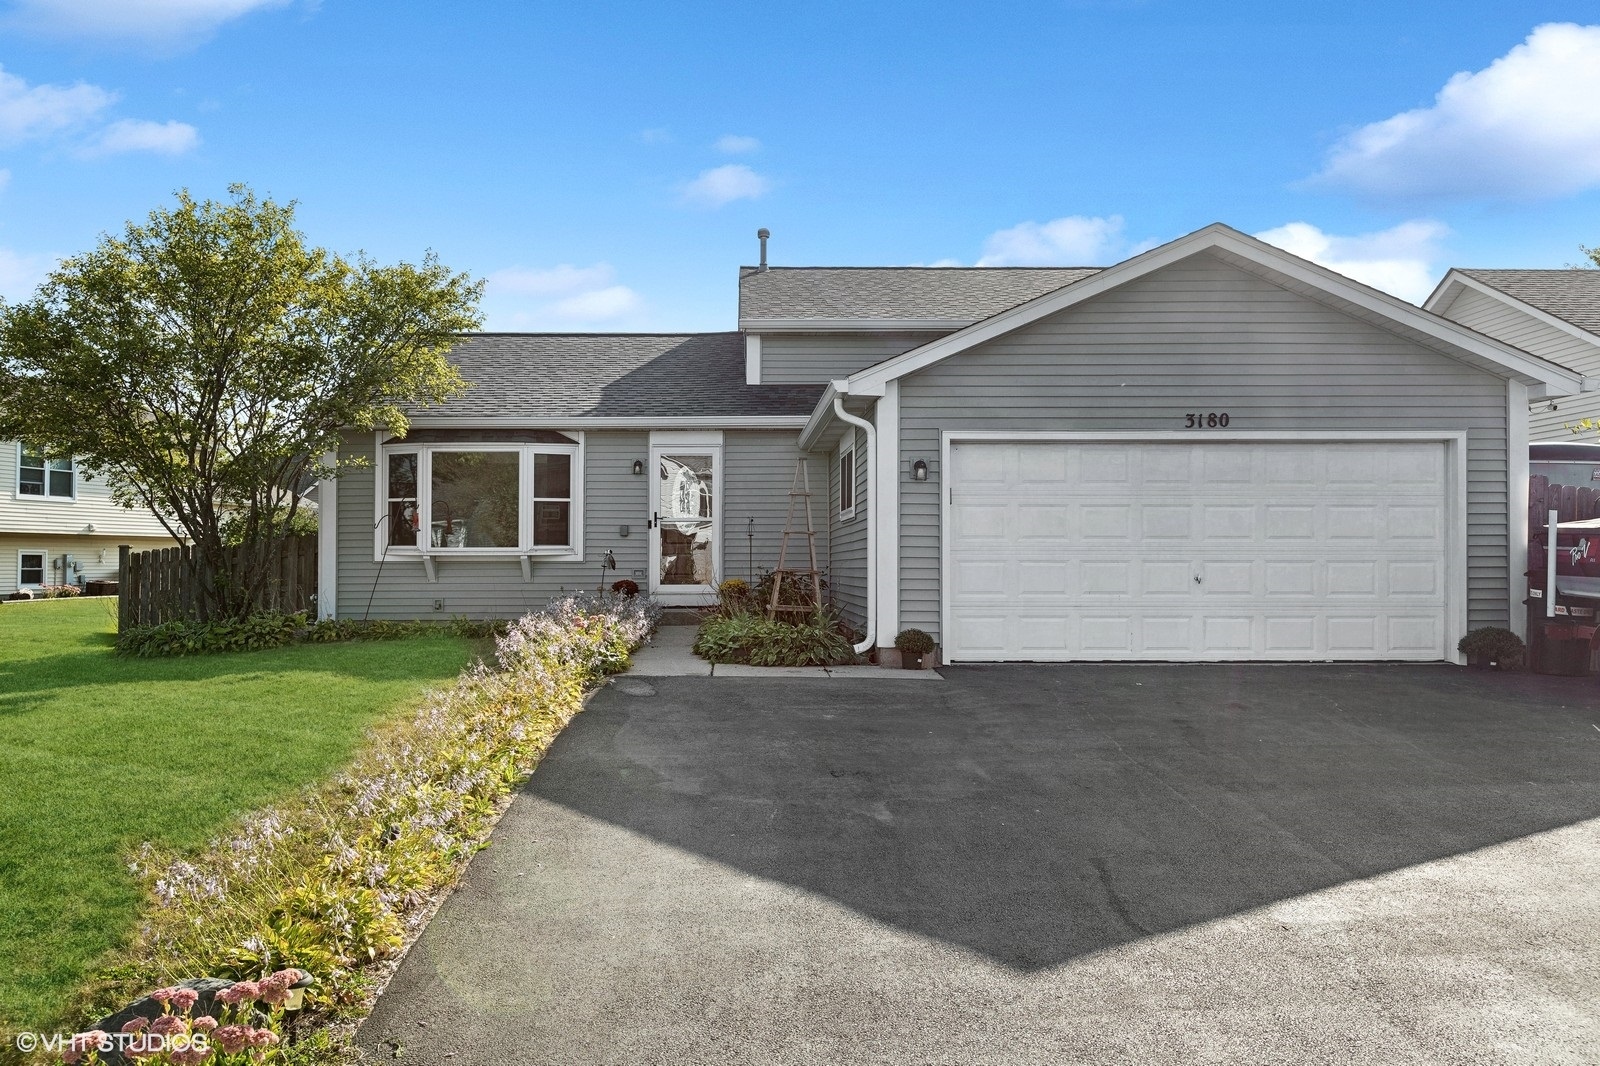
column 848, row 562
column 757, row 467
column 1272, row 359
column 1547, row 419
column 812, row 358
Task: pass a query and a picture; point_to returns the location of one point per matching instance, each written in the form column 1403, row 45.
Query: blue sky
column 606, row 166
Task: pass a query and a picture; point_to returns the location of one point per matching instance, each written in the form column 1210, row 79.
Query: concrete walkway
column 671, row 654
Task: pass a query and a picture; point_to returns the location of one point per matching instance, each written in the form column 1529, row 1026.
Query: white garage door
column 1203, row 551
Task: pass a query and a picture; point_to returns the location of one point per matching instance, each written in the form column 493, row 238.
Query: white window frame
column 44, row 568
column 16, row 487
column 525, row 548
column 847, row 461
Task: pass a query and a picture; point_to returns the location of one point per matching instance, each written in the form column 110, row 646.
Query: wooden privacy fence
column 155, row 586
column 1571, row 503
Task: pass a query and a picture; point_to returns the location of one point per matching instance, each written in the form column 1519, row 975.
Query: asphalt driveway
column 1107, row 864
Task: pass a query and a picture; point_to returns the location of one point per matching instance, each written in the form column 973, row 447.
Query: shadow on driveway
column 1039, row 813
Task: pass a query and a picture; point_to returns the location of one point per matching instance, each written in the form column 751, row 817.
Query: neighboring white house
column 61, row 527
column 1555, row 314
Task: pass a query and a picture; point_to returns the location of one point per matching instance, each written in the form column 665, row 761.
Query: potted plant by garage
column 916, row 649
column 1493, row 648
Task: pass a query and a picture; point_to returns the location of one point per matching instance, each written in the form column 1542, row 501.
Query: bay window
column 481, row 493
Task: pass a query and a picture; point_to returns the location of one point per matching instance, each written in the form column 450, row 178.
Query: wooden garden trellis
column 799, row 495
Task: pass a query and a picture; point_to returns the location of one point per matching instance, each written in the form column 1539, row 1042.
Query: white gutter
column 872, row 527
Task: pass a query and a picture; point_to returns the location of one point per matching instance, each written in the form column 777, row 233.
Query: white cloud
column 1076, row 240
column 21, row 274
column 557, row 298
column 28, row 111
column 1525, row 127
column 142, row 135
column 162, row 23
column 733, row 144
column 1398, row 260
column 725, row 184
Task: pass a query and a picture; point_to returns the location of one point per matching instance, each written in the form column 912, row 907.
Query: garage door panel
column 1301, row 551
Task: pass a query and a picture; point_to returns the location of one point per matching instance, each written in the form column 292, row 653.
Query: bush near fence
column 156, row 587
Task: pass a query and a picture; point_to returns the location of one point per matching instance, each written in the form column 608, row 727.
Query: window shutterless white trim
column 46, row 494
column 44, row 568
column 1455, row 503
column 847, row 471
column 525, row 548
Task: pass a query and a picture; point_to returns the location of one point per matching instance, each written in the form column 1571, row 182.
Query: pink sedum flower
column 205, row 1024
column 135, row 1025
column 163, row 995
column 184, row 998
column 264, row 1038
column 239, row 992
column 232, row 1039
column 168, row 1025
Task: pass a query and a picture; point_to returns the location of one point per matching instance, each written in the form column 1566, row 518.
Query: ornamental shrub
column 1493, row 642
column 914, row 642
column 752, row 638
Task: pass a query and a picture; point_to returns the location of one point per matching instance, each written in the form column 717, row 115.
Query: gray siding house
column 1214, row 450
column 1555, row 314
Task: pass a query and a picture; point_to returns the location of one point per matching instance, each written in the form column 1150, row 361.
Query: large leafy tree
column 205, row 360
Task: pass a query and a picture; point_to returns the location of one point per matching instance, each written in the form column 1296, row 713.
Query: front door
column 685, row 519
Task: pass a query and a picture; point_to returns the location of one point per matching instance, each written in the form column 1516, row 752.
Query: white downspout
column 872, row 527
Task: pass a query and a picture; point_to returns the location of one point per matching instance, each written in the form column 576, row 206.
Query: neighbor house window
column 30, row 569
column 503, row 493
column 847, row 480
column 44, row 477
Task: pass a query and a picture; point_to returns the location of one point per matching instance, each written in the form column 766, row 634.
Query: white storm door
column 1227, row 550
column 685, row 522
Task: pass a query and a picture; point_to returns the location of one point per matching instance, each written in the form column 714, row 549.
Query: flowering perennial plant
column 335, row 879
column 244, row 1028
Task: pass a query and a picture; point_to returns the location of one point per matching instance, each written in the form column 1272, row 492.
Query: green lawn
column 99, row 753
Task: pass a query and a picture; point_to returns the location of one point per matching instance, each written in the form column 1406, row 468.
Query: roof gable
column 1283, row 268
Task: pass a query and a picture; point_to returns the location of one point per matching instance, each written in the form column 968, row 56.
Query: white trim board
column 1517, row 420
column 582, row 422
column 1456, row 570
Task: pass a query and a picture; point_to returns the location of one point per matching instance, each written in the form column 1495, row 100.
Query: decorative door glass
column 686, row 520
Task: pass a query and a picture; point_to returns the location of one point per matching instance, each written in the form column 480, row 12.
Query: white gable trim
column 1551, row 378
column 1445, row 295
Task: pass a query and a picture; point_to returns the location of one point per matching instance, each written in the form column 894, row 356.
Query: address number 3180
column 1206, row 420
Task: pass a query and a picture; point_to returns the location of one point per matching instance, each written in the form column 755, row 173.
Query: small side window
column 847, row 482
column 30, row 569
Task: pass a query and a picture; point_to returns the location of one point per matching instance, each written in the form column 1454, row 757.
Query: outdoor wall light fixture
column 919, row 471
column 638, row 466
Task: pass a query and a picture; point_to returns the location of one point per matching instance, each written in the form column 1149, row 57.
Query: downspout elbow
column 871, row 625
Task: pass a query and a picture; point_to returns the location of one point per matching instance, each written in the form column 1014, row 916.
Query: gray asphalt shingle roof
column 867, row 293
column 613, row 375
column 1570, row 295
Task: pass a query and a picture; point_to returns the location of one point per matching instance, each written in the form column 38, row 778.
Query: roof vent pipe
column 761, row 235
